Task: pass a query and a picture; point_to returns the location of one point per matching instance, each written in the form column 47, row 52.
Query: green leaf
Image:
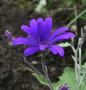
column 66, row 44
column 56, row 85
column 69, row 78
column 84, row 76
column 41, row 79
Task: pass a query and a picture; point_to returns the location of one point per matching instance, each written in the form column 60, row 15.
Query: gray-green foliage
column 84, row 77
column 68, row 78
column 43, row 81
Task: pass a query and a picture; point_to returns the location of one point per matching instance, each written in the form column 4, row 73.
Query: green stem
column 27, row 62
column 78, row 16
column 45, row 71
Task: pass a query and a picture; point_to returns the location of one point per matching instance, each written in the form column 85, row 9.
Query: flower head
column 64, row 87
column 40, row 37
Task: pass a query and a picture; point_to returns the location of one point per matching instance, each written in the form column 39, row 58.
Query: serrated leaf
column 66, row 44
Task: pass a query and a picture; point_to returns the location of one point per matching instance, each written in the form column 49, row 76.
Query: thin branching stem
column 30, row 65
column 25, row 60
column 45, row 71
column 78, row 16
column 77, row 61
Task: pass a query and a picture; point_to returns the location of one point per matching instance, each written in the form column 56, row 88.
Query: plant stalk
column 27, row 62
column 45, row 71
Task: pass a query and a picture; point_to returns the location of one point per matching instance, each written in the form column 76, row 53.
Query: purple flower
column 64, row 87
column 40, row 37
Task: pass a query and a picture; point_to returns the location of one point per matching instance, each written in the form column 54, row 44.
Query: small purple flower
column 8, row 35
column 64, row 87
column 40, row 37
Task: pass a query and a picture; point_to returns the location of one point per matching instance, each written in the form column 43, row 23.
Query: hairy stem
column 27, row 62
column 45, row 71
column 77, row 60
column 80, row 64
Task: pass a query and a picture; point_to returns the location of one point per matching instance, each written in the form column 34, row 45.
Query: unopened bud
column 64, row 87
column 8, row 35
